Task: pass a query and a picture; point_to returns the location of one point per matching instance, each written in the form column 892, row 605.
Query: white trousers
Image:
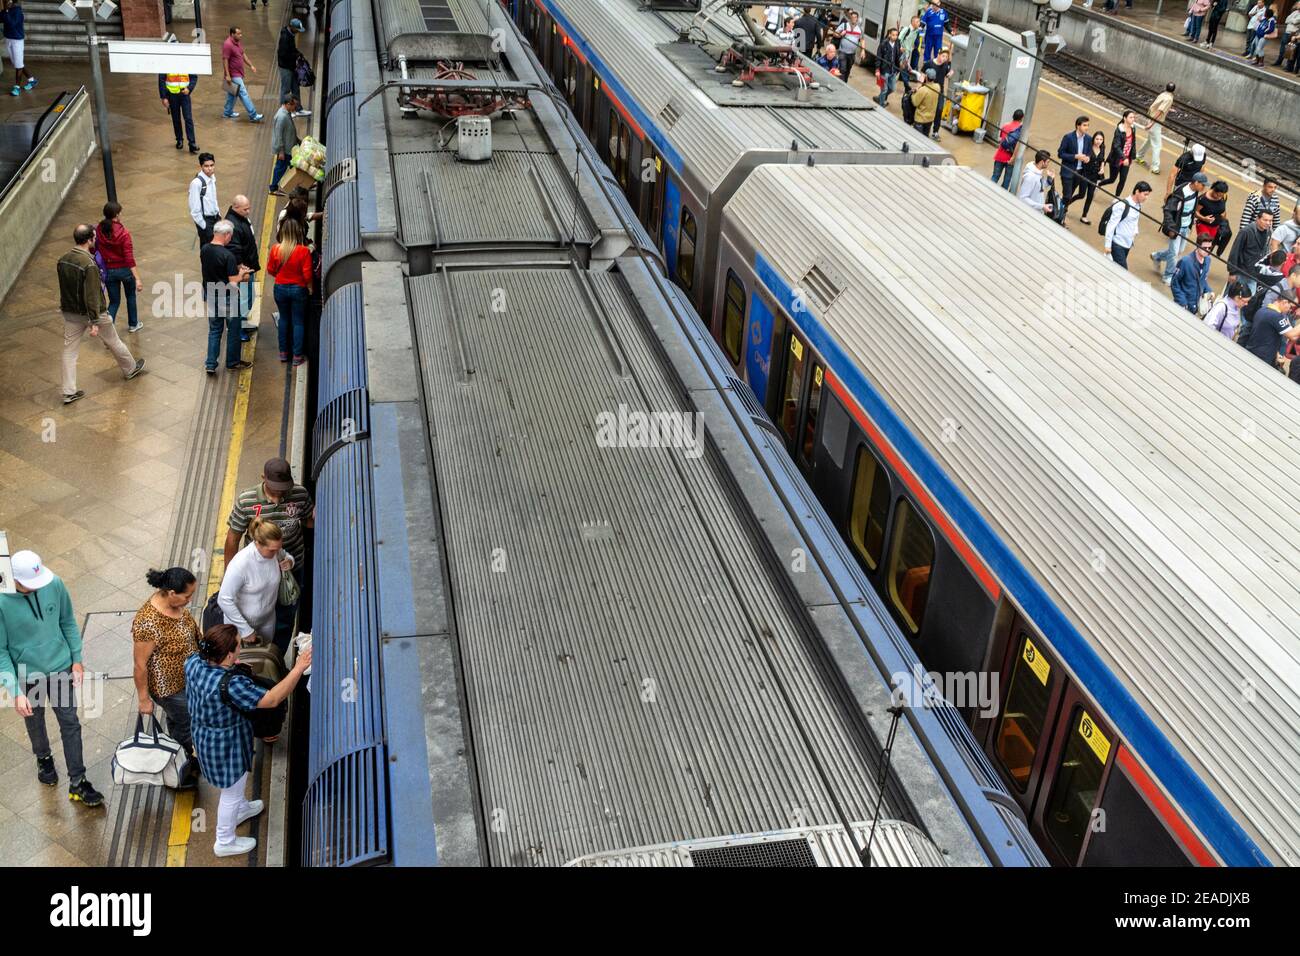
column 231, row 805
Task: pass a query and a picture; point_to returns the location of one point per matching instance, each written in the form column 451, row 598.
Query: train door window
column 810, row 416
column 869, row 509
column 618, row 148
column 656, row 199
column 570, row 78
column 795, row 366
column 1078, row 781
column 911, row 560
column 733, row 318
column 686, row 251
column 1024, row 715
column 624, row 157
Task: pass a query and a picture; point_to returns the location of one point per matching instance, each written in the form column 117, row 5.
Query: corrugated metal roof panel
column 712, row 138
column 1130, row 457
column 513, row 197
column 342, row 345
column 614, row 613
column 343, row 227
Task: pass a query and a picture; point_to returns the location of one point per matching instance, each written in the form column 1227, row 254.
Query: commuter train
column 1072, row 518
column 573, row 603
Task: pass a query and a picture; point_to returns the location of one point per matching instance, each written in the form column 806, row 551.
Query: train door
column 569, row 85
column 732, row 331
column 799, row 406
column 1077, row 767
column 1019, row 738
column 651, row 212
column 635, row 173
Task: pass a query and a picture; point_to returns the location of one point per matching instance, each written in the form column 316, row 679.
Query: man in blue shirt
column 1191, row 276
column 936, row 20
column 15, row 32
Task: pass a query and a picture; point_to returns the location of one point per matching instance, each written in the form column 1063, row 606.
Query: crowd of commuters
column 179, row 670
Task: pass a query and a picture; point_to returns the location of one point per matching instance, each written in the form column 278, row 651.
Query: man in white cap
column 40, row 665
column 1187, row 165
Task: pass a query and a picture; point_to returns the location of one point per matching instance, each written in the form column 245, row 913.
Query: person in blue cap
column 286, row 57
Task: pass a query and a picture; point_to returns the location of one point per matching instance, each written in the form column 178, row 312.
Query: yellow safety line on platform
column 182, row 809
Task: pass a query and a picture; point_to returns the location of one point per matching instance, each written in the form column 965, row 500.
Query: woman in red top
column 290, row 263
column 113, row 243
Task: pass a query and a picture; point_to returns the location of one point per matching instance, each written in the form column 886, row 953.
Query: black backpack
column 212, row 613
column 266, row 721
column 1249, row 309
column 1105, row 217
column 909, row 109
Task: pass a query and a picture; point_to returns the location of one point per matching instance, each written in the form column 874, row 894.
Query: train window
column 794, row 372
column 686, row 251
column 810, row 420
column 1074, row 792
column 733, row 317
column 1025, row 712
column 571, row 78
column 657, row 200
column 613, row 145
column 870, row 508
column 624, row 154
column 910, row 562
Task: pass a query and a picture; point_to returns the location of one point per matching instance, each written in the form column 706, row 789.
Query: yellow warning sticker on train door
column 796, row 347
column 1036, row 661
column 1094, row 737
column 817, row 376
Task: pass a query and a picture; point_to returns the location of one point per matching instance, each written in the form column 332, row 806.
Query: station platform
column 1229, row 45
column 138, row 474
column 1055, row 109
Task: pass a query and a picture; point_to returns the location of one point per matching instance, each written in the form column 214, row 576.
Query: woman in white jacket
column 252, row 582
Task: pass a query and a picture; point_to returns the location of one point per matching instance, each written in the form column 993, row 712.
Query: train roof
column 699, row 119
column 1132, row 460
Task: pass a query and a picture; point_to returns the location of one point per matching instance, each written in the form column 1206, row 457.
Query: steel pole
column 101, row 109
column 1022, row 148
column 198, row 17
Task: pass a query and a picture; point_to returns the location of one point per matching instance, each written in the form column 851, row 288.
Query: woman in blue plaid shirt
column 223, row 736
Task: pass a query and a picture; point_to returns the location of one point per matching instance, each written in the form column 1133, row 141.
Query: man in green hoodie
column 40, row 663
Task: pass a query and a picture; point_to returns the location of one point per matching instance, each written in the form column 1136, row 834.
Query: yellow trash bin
column 973, row 97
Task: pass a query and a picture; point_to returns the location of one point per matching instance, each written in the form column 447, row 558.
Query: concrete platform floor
column 91, row 486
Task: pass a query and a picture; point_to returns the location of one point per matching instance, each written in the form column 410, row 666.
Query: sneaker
column 135, row 328
column 246, row 326
column 30, row 83
column 45, row 771
column 236, row 847
column 210, row 371
column 83, row 792
column 303, row 113
column 272, row 191
column 78, row 394
column 299, row 360
column 229, row 116
column 1168, row 280
column 139, row 366
column 256, row 119
column 15, row 91
column 255, row 807
column 239, row 365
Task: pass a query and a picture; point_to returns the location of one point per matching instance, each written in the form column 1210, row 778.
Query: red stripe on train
column 1166, row 809
column 955, row 538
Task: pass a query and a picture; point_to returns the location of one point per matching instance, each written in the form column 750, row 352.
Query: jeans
column 178, row 720
column 1195, row 34
column 289, row 82
column 291, row 300
column 242, row 91
column 75, row 328
column 280, row 166
column 246, row 293
column 846, row 65
column 119, row 279
column 1003, row 170
column 179, row 104
column 891, row 81
column 1170, row 255
column 57, row 691
column 1120, row 254
column 229, row 807
column 1281, row 48
column 216, row 324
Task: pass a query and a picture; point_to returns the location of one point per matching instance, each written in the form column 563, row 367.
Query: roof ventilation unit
column 473, row 139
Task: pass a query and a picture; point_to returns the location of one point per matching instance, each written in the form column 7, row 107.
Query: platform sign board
column 159, row 56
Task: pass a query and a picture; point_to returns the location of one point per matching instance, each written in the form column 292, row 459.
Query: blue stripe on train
column 1187, row 789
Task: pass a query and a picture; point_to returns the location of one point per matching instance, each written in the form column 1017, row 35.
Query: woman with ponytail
column 164, row 635
column 223, row 735
column 252, row 582
column 113, row 243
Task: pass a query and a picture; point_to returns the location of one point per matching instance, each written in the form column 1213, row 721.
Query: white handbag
column 149, row 757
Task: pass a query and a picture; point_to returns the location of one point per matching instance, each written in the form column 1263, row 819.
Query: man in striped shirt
column 1265, row 200
column 849, row 36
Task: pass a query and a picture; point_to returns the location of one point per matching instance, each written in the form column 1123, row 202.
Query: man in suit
column 1075, row 152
